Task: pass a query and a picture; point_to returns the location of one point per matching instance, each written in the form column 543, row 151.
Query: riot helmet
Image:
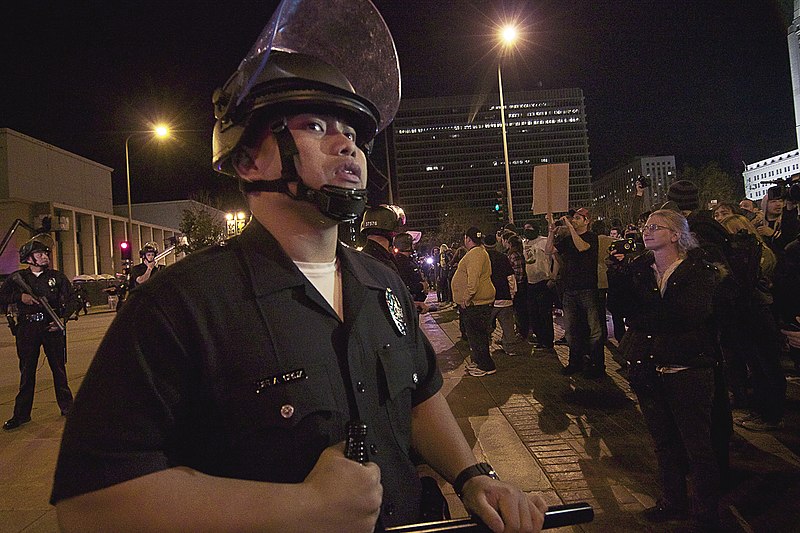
column 404, row 242
column 38, row 243
column 304, row 63
column 149, row 247
column 384, row 220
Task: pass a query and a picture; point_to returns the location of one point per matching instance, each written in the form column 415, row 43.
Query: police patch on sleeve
column 396, row 311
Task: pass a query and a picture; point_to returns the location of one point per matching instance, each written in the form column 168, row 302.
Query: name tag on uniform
column 281, row 379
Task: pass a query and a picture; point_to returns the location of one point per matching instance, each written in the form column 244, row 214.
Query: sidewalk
column 575, row 439
column 569, row 438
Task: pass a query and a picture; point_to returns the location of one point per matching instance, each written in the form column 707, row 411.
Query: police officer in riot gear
column 380, row 224
column 215, row 406
column 36, row 328
column 147, row 268
column 409, row 271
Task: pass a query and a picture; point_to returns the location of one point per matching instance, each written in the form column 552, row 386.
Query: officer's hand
column 421, row 307
column 52, row 326
column 27, row 299
column 347, row 494
column 503, row 507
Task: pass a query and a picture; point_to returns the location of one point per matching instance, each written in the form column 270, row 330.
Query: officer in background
column 409, row 270
column 36, row 328
column 222, row 406
column 380, row 225
column 147, row 268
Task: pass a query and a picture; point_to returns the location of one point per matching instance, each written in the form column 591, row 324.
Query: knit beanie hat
column 685, row 194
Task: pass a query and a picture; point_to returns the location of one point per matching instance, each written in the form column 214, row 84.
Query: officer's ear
column 243, row 161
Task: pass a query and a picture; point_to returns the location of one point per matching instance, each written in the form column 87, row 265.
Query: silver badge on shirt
column 396, row 310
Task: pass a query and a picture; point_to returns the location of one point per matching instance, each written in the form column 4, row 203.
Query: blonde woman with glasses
column 670, row 345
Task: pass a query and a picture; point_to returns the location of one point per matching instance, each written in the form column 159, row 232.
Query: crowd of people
column 704, row 308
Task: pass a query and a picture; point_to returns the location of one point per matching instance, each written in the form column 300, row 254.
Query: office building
column 612, row 192
column 758, row 175
column 448, row 153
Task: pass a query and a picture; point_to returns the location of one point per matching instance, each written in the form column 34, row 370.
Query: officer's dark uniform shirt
column 380, row 253
column 51, row 284
column 251, row 375
column 409, row 272
column 138, row 270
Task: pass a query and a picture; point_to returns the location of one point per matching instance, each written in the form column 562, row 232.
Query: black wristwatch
column 480, row 469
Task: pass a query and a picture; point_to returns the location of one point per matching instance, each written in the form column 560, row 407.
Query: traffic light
column 125, row 251
column 499, row 206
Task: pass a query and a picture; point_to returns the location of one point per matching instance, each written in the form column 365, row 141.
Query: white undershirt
column 327, row 279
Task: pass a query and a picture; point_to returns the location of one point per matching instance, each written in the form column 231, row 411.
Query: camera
column 626, row 246
column 786, row 189
column 643, row 181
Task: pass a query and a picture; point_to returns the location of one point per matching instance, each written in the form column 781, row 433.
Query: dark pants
column 476, row 320
column 677, row 410
column 31, row 336
column 521, row 309
column 753, row 343
column 583, row 326
column 540, row 312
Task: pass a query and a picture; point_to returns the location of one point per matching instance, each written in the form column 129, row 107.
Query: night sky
column 704, row 80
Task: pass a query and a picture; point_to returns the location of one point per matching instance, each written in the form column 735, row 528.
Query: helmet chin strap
column 338, row 203
column 34, row 263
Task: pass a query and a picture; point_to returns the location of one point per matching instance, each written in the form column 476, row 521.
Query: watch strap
column 479, row 469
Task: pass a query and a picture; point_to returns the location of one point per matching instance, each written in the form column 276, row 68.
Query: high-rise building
column 448, row 152
column 758, row 176
column 612, row 192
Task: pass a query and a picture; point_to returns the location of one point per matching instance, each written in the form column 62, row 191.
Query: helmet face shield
column 330, row 56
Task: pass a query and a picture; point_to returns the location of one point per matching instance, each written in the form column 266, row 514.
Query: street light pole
column 128, row 180
column 508, row 35
column 160, row 131
column 505, row 143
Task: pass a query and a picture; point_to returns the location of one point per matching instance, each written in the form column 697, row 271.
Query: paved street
column 570, row 438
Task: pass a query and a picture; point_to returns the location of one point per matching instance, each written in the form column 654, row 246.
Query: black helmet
column 303, row 61
column 404, row 242
column 314, row 55
column 39, row 243
column 383, row 220
column 148, row 247
column 289, row 84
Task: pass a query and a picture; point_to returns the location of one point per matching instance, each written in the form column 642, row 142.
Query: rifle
column 555, row 516
column 41, row 300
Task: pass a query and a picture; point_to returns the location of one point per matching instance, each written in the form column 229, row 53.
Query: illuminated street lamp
column 235, row 223
column 508, row 36
column 160, row 131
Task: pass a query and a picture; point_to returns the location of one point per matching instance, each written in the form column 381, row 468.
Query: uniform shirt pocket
column 401, row 380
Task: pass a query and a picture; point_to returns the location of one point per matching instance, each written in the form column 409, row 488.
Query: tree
column 713, row 183
column 454, row 219
column 200, row 225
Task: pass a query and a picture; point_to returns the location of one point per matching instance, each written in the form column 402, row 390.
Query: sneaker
column 469, row 364
column 570, row 369
column 756, row 423
column 478, row 373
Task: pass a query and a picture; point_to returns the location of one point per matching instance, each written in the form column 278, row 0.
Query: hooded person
column 195, row 417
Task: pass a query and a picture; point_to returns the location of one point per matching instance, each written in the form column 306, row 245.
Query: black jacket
column 676, row 329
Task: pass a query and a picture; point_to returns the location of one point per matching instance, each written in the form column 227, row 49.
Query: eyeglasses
column 653, row 227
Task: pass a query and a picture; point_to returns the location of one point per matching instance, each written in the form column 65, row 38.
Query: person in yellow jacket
column 474, row 293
